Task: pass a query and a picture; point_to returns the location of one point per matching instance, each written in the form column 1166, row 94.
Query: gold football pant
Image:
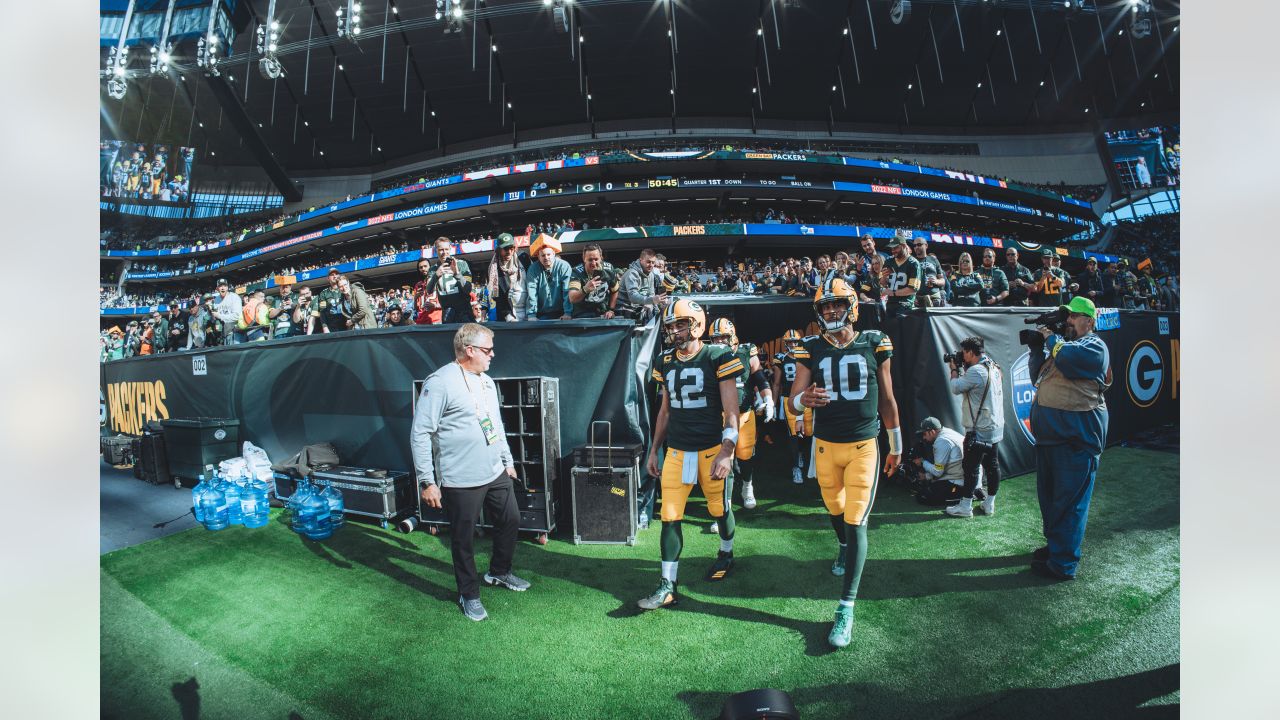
column 847, row 475
column 675, row 493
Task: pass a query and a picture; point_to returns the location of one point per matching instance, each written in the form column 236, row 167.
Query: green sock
column 727, row 525
column 855, row 557
column 837, row 524
column 672, row 541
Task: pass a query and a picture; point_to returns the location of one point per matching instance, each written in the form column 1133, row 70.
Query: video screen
column 137, row 171
column 1148, row 157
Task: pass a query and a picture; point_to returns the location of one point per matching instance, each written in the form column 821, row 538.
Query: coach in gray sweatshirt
column 460, row 452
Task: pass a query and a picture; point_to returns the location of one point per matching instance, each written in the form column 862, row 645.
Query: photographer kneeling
column 982, row 415
column 944, row 472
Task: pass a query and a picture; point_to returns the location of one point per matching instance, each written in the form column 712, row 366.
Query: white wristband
column 895, row 441
column 730, row 434
column 796, row 404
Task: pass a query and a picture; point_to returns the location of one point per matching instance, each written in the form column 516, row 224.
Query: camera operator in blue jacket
column 1069, row 422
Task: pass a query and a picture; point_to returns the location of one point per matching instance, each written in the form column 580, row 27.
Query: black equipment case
column 383, row 494
column 604, row 482
column 117, row 449
column 196, row 442
column 151, row 463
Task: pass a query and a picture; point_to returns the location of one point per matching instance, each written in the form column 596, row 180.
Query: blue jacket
column 1086, row 358
column 547, row 291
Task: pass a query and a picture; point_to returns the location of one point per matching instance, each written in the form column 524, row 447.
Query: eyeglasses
column 486, row 350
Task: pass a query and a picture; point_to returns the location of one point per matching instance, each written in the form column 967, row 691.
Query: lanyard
column 474, row 400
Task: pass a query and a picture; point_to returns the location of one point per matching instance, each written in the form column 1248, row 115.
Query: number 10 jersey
column 693, row 386
column 849, row 376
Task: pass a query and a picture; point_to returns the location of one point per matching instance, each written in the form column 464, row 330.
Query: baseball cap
column 505, row 240
column 1082, row 305
column 1091, row 261
column 1047, row 252
column 223, row 281
column 930, row 423
column 1124, row 262
column 334, row 271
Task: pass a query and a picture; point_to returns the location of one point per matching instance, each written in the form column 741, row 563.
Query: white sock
column 726, row 545
column 669, row 570
column 846, row 603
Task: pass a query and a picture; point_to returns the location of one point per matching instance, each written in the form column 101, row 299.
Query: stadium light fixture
column 910, row 85
column 268, row 35
column 979, row 83
column 349, row 20
column 845, row 31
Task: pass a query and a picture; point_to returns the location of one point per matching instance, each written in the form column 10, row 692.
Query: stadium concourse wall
column 355, row 389
column 1145, row 361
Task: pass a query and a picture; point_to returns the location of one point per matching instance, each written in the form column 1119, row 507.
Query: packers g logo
column 1145, row 374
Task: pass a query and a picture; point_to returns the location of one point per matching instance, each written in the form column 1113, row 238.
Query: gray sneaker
column 508, row 581
column 472, row 609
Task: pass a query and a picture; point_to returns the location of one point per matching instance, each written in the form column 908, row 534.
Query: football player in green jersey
column 844, row 376
column 751, row 385
column 698, row 419
column 799, row 425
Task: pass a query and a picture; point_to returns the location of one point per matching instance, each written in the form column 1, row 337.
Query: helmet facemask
column 678, row 333
column 845, row 318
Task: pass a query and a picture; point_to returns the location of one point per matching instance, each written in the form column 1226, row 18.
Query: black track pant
column 987, row 457
column 462, row 506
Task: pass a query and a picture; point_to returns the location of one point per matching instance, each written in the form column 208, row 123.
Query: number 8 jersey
column 693, row 385
column 849, row 376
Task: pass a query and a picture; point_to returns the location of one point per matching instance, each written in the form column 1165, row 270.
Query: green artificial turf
column 950, row 622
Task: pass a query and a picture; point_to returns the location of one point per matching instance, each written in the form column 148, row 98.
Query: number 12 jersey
column 693, row 386
column 849, row 376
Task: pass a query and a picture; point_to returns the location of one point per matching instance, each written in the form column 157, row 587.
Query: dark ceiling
column 797, row 48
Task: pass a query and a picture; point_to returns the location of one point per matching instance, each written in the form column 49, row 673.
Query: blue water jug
column 253, row 504
column 213, row 508
column 336, row 506
column 195, row 498
column 314, row 517
column 300, row 495
column 231, row 490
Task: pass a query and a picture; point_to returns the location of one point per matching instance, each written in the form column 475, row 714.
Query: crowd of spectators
column 1154, row 237
column 380, row 248
column 538, row 284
